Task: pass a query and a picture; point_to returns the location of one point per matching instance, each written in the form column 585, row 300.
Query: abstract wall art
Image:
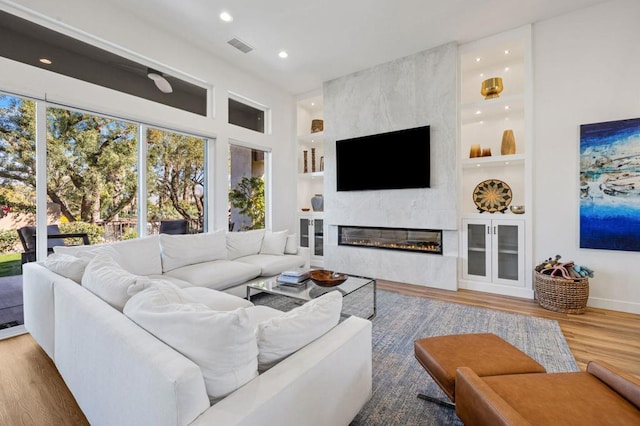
column 610, row 185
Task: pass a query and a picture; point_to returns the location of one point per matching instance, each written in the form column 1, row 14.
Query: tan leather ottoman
column 486, row 354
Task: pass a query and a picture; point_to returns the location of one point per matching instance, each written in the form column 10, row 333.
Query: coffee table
column 355, row 291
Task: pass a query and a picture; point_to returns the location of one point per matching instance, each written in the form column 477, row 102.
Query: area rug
column 397, row 376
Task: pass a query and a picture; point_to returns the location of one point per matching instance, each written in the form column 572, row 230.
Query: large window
column 17, row 199
column 92, row 174
column 246, row 188
column 175, row 180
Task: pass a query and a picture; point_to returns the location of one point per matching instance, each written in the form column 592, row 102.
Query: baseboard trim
column 496, row 289
column 12, row 332
column 614, row 305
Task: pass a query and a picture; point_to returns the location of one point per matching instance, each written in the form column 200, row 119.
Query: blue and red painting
column 610, row 185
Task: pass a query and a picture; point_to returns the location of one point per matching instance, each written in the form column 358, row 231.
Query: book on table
column 293, row 277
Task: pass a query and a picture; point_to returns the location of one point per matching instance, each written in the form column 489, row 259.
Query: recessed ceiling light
column 506, row 52
column 478, row 112
column 283, row 54
column 313, row 104
column 506, row 69
column 507, row 107
column 45, row 61
column 477, row 59
column 481, row 74
column 226, row 16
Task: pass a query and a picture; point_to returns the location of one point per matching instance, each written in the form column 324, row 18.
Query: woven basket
column 560, row 294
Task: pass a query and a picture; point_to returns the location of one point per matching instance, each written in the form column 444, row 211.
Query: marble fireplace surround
column 414, row 91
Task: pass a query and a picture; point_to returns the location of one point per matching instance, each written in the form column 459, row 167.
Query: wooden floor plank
column 33, row 393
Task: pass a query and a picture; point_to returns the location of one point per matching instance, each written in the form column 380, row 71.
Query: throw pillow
column 274, row 243
column 107, row 280
column 292, row 244
column 222, row 344
column 66, row 265
column 281, row 336
column 182, row 250
column 240, row 244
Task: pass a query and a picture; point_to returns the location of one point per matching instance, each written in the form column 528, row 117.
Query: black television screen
column 394, row 160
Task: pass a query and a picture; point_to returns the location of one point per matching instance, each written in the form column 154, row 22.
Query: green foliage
column 248, row 198
column 130, row 234
column 10, row 264
column 9, row 241
column 93, row 231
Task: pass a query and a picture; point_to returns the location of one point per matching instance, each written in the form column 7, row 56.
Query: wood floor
column 33, row 393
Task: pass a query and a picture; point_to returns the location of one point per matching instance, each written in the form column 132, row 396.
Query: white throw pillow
column 107, row 280
column 183, row 250
column 240, row 244
column 292, row 244
column 66, row 265
column 222, row 344
column 274, row 243
column 281, row 336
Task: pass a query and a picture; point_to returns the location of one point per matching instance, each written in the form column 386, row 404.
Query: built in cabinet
column 493, row 251
column 310, row 176
column 483, row 123
column 312, row 236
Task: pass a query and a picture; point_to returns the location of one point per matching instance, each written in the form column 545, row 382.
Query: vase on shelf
column 317, row 126
column 475, row 151
column 486, row 152
column 317, row 203
column 508, row 146
column 313, row 160
column 305, row 162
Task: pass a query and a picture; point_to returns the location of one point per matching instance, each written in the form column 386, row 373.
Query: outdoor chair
column 27, row 236
column 175, row 227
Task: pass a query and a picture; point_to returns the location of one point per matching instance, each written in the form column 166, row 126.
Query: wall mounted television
column 393, row 160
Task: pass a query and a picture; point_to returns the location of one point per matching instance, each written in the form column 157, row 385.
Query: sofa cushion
column 222, row 344
column 283, row 335
column 105, row 278
column 182, row 250
column 219, row 274
column 216, row 300
column 175, row 281
column 292, row 244
column 140, row 256
column 66, row 265
column 274, row 243
column 245, row 243
column 273, row 265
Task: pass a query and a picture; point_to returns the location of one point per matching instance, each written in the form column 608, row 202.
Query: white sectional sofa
column 121, row 373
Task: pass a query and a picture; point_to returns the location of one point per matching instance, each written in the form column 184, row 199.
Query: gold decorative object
column 508, row 146
column 486, row 152
column 305, row 163
column 317, row 126
column 313, row 160
column 322, row 164
column 491, row 87
column 475, row 151
column 517, row 209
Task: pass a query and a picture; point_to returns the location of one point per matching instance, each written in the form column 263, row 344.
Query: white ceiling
column 327, row 39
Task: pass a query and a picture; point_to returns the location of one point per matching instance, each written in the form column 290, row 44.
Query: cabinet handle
column 494, row 230
column 488, row 230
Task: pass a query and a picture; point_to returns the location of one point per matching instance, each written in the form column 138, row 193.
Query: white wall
column 102, row 20
column 587, row 70
column 418, row 90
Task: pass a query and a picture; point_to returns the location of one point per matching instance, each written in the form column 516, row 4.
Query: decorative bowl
column 517, row 209
column 491, row 87
column 325, row 278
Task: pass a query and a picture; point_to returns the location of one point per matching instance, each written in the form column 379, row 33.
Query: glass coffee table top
column 308, row 290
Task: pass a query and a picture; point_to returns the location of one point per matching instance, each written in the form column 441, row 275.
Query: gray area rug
column 397, row 376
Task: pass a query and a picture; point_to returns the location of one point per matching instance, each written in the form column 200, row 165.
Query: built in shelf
column 311, row 175
column 493, row 161
column 489, row 109
column 311, row 138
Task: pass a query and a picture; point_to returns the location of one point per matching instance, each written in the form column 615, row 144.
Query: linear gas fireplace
column 418, row 240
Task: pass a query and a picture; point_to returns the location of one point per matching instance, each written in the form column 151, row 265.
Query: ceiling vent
column 240, row 45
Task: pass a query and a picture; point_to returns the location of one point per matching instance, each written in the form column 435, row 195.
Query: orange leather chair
column 603, row 395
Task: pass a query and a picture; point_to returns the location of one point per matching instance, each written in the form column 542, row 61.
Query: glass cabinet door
column 318, row 237
column 477, row 256
column 304, row 232
column 507, row 252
